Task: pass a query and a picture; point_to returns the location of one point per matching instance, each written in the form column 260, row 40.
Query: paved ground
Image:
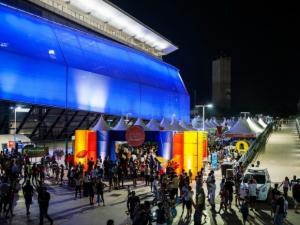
column 282, row 153
column 281, row 156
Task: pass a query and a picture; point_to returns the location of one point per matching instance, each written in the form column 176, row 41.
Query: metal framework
column 142, row 38
column 54, row 124
column 40, row 123
column 24, row 120
column 67, row 124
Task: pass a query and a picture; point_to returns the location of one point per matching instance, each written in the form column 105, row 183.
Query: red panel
column 92, row 145
column 178, row 150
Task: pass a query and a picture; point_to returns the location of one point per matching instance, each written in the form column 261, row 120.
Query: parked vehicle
column 262, row 178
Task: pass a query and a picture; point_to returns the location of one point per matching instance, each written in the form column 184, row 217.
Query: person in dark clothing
column 229, row 188
column 279, row 211
column 62, row 173
column 273, row 200
column 43, row 200
column 131, row 203
column 100, row 189
column 28, row 193
column 90, row 165
column 92, row 192
column 10, row 202
column 245, row 211
column 160, row 214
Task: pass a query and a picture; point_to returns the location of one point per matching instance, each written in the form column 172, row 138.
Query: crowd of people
column 17, row 174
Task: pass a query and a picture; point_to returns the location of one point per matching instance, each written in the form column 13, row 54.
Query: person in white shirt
column 252, row 192
column 242, row 193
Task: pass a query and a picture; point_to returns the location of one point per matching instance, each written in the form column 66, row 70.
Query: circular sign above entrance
column 135, row 136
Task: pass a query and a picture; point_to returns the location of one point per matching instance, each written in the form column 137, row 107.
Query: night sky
column 262, row 39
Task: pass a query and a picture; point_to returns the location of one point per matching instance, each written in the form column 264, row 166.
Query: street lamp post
column 203, row 112
column 18, row 109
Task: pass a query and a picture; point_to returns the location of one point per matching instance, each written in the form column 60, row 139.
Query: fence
column 261, row 140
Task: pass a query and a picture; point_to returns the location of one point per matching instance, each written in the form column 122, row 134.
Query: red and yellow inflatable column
column 190, row 152
column 85, row 147
column 81, row 152
column 178, row 151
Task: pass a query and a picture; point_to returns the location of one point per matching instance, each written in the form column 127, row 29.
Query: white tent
column 175, row 125
column 153, row 125
column 214, row 122
column 166, row 125
column 240, row 129
column 254, row 126
column 185, row 126
column 255, row 120
column 140, row 122
column 5, row 138
column 121, row 125
column 101, row 125
column 197, row 122
column 262, row 123
column 224, row 123
column 208, row 124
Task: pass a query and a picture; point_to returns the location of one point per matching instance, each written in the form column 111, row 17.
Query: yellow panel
column 190, row 136
column 190, row 162
column 190, row 149
column 80, row 145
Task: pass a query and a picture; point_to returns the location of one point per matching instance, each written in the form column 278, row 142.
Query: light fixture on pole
column 18, row 109
column 203, row 112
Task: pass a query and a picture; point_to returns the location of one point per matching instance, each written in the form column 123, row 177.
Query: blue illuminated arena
column 45, row 63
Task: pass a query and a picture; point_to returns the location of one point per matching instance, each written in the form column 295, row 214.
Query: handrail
column 261, row 140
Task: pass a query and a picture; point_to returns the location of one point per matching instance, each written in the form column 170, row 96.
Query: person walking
column 296, row 195
column 78, row 184
column 132, row 202
column 199, row 207
column 212, row 194
column 92, row 192
column 43, row 200
column 161, row 215
column 252, row 188
column 279, row 212
column 28, row 193
column 245, row 211
column 100, row 190
column 285, row 184
column 188, row 202
column 10, row 202
column 62, row 173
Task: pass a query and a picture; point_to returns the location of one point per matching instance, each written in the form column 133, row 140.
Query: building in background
column 221, row 83
column 65, row 63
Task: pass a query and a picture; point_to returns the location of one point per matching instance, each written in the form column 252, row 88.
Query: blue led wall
column 45, row 63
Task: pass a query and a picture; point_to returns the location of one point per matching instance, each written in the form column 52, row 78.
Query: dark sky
column 262, row 39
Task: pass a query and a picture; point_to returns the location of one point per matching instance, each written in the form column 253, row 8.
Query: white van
column 262, row 177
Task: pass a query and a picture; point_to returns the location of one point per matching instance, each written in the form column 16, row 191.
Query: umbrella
column 161, row 159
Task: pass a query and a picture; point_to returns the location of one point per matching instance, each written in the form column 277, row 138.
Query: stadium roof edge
column 108, row 19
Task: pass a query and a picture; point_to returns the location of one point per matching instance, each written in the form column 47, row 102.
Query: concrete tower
column 221, row 82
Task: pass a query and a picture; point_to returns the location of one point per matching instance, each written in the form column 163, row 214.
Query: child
column 245, row 211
